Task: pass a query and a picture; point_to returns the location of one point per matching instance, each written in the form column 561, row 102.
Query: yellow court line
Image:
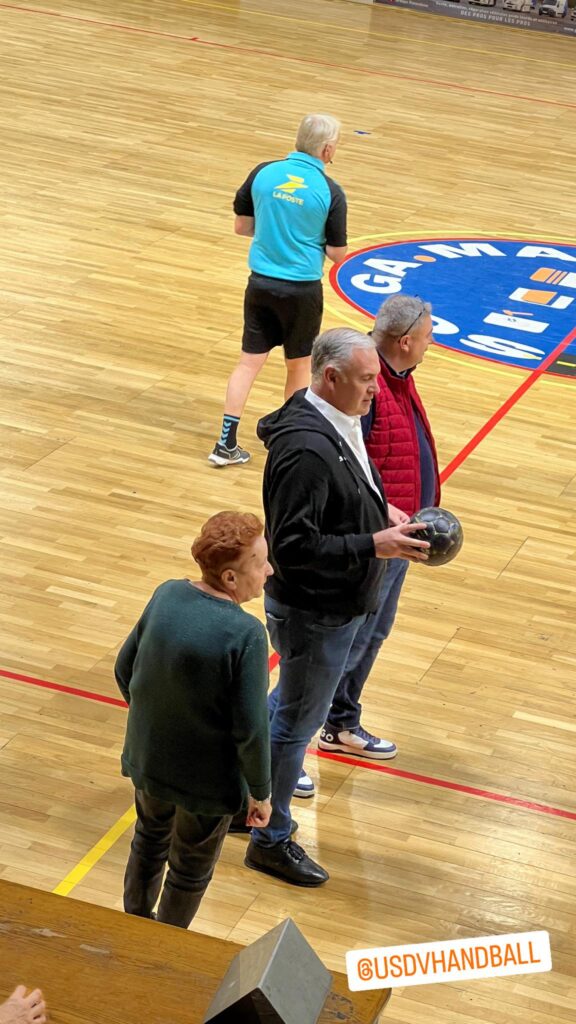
column 490, row 235
column 486, row 367
column 548, row 382
column 475, row 364
column 95, row 854
column 347, row 320
column 387, row 35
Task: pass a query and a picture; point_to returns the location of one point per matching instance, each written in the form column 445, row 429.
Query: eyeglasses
column 416, row 319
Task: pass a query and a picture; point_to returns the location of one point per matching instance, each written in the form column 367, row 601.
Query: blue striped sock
column 229, row 432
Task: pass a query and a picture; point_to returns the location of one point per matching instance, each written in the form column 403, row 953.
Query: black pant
column 276, row 312
column 191, row 844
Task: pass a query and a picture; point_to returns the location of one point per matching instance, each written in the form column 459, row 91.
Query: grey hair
column 315, row 132
column 336, row 348
column 397, row 315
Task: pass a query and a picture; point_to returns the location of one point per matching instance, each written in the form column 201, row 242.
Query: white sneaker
column 357, row 742
column 305, row 786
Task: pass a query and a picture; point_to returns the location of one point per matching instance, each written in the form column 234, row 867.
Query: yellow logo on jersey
column 287, row 190
column 293, row 184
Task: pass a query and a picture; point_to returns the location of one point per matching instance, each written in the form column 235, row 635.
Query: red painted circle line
column 250, row 50
column 428, row 780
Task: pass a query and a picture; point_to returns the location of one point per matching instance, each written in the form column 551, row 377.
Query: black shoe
column 238, row 826
column 287, row 861
column 222, row 456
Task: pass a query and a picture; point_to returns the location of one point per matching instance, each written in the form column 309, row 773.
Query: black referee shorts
column 287, row 313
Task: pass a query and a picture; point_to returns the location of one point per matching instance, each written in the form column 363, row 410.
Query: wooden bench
column 103, row 967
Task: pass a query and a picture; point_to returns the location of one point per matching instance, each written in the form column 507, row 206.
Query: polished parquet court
column 126, row 128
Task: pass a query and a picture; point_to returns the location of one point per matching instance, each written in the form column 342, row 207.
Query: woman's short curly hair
column 222, row 541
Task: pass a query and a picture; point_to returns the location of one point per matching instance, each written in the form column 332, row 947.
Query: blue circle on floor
column 510, row 301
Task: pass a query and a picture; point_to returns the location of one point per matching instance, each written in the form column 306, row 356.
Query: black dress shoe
column 238, row 826
column 287, row 861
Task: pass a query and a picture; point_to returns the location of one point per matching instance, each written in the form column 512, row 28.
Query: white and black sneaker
column 356, row 742
column 223, row 456
column 304, row 787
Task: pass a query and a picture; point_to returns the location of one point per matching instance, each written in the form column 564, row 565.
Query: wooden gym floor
column 126, row 128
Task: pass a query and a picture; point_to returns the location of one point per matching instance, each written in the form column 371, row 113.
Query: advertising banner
column 544, row 15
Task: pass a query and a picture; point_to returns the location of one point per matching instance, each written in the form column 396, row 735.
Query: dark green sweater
column 194, row 671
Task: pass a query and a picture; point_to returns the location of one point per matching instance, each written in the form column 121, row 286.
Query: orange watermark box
column 427, row 963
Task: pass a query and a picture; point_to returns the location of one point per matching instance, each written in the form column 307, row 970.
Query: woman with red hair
column 194, row 672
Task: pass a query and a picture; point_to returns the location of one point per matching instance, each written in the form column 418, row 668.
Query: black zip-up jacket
column 321, row 514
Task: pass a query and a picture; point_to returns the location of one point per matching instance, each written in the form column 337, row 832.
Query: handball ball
column 443, row 532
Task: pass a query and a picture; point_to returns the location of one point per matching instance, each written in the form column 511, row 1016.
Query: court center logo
column 509, row 301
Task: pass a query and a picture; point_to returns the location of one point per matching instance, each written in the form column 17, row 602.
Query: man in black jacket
column 329, row 536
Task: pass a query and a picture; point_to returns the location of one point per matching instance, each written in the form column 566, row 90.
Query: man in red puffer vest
column 397, row 432
column 399, row 441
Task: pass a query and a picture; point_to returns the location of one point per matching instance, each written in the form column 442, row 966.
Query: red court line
column 505, row 408
column 418, row 79
column 428, row 780
column 119, row 26
column 273, row 662
column 62, row 688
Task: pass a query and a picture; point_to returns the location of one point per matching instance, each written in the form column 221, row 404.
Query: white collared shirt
column 349, row 428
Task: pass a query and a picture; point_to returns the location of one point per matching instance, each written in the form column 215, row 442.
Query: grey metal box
column 279, row 979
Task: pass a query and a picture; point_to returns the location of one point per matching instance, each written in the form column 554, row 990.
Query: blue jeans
column 314, row 649
column 346, row 707
column 323, row 670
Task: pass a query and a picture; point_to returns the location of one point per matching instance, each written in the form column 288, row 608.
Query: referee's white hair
column 336, row 348
column 315, row 132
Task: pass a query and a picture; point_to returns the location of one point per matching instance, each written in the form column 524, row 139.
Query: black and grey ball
column 443, row 531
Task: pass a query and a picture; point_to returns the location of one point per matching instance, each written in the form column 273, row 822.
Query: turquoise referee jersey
column 297, row 210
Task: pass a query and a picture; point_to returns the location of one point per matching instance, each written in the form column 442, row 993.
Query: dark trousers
column 191, row 845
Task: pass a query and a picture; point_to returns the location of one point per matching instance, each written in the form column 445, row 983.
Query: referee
column 295, row 215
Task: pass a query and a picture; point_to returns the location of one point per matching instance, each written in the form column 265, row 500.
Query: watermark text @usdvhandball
column 427, row 963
